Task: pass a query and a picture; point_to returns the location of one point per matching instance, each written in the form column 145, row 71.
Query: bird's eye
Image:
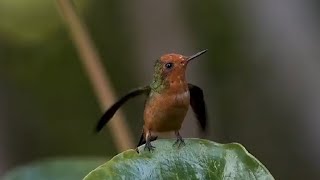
column 169, row 65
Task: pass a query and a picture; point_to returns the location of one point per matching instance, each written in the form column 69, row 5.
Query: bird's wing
column 198, row 105
column 112, row 110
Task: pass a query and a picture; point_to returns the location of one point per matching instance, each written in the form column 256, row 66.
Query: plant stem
column 94, row 69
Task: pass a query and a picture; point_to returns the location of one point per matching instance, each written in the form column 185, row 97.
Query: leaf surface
column 198, row 159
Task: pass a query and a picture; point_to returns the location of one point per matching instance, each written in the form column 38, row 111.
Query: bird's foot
column 149, row 147
column 153, row 138
column 179, row 142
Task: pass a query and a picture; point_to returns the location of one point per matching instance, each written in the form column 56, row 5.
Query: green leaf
column 198, row 159
column 54, row 169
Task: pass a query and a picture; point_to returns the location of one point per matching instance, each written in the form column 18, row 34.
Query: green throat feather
column 159, row 82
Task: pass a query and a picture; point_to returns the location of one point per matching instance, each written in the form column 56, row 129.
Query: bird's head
column 171, row 68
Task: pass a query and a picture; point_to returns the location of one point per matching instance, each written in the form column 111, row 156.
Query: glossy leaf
column 68, row 169
column 198, row 159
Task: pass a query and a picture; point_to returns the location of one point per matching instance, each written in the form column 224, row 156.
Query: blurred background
column 261, row 75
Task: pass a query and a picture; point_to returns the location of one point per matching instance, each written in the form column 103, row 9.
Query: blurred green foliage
column 53, row 169
column 30, row 21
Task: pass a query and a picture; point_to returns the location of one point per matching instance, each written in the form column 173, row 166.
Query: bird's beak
column 196, row 55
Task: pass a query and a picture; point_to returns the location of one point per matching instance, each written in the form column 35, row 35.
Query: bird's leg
column 143, row 141
column 179, row 140
column 148, row 141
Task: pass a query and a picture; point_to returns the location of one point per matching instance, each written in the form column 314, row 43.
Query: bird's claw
column 149, row 147
column 179, row 142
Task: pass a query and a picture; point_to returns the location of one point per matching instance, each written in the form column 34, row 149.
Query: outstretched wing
column 112, row 110
column 198, row 105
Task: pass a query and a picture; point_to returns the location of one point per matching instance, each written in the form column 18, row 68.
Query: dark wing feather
column 198, row 105
column 112, row 110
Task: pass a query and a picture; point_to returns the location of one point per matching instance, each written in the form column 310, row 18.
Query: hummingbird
column 169, row 96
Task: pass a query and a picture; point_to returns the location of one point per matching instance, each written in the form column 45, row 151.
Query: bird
column 168, row 98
